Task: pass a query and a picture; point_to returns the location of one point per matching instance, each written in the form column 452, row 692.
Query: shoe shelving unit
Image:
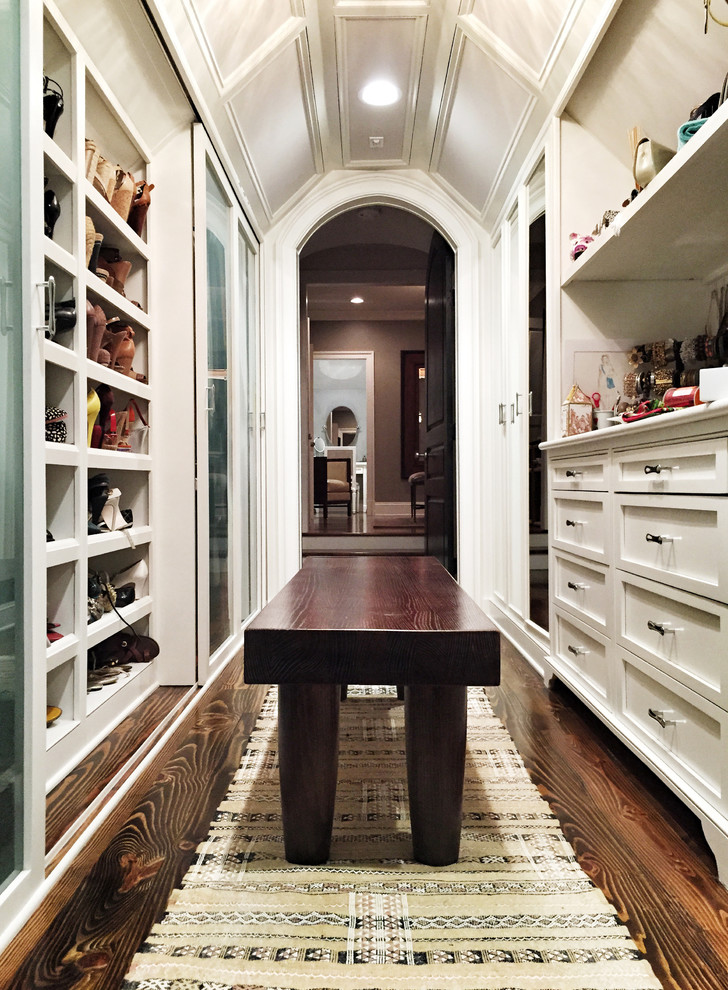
column 90, row 111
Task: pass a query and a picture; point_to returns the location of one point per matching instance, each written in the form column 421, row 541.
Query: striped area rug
column 515, row 913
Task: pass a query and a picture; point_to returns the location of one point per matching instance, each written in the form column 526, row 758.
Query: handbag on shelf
column 137, row 428
column 649, row 159
column 55, row 426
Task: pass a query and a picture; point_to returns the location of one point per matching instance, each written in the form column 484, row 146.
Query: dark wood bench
column 372, row 620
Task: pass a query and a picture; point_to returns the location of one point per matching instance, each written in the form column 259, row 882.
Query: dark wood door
column 440, row 404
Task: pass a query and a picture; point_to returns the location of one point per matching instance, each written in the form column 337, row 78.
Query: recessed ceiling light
column 379, row 93
column 357, row 299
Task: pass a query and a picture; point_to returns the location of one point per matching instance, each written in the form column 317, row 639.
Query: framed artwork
column 597, row 367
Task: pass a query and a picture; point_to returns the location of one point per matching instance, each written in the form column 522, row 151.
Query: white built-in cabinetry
column 639, row 512
column 66, row 377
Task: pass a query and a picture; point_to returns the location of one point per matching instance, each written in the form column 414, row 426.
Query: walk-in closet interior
column 165, row 164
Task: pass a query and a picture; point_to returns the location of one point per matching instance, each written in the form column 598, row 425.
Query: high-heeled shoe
column 95, row 326
column 93, row 408
column 52, row 104
column 125, row 353
column 140, row 206
column 65, row 317
column 114, row 337
column 51, row 212
column 116, row 268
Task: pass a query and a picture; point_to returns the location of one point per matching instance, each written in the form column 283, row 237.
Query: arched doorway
column 336, row 194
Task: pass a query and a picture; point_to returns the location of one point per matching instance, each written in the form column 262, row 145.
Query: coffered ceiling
column 278, row 83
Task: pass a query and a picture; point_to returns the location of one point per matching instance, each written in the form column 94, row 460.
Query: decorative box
column 577, row 413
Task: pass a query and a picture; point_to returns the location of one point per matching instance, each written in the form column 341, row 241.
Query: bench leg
column 435, row 732
column 308, row 752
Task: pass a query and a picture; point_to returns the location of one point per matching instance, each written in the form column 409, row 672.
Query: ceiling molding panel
column 484, row 109
column 531, row 35
column 272, row 117
column 227, row 43
column 369, row 47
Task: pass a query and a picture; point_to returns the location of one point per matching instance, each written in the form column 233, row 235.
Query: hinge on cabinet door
column 251, row 420
column 210, row 403
column 5, row 286
column 501, row 413
column 262, row 420
column 530, row 403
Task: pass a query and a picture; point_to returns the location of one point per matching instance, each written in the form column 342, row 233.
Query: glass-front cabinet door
column 227, row 417
column 12, row 650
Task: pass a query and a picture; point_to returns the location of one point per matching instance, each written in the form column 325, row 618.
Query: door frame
column 367, row 356
column 475, row 377
column 238, row 419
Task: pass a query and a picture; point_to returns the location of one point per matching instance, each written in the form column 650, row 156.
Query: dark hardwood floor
column 631, row 835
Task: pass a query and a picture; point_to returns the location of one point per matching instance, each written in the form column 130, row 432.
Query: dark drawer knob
column 656, row 627
column 573, row 474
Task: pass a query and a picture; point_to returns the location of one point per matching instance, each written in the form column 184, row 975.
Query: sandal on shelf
column 51, row 635
column 52, row 104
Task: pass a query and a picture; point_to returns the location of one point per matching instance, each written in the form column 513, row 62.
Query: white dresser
column 639, row 599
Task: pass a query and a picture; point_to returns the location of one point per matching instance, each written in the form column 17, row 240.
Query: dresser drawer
column 682, row 634
column 680, row 729
column 701, row 466
column 580, row 586
column 580, row 473
column 580, row 523
column 583, row 652
column 678, row 540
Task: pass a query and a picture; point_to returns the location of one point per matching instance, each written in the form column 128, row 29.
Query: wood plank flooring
column 631, row 835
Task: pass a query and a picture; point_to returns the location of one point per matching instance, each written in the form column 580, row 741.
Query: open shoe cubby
column 91, row 111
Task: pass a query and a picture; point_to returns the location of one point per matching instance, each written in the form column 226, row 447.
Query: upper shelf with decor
column 677, row 227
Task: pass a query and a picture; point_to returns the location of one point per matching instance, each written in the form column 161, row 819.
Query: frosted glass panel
column 11, row 455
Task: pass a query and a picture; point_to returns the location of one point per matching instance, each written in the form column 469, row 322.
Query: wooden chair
column 332, row 483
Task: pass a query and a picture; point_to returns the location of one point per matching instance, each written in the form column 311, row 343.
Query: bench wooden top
column 372, row 620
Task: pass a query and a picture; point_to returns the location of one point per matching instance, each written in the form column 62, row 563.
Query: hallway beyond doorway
column 364, row 532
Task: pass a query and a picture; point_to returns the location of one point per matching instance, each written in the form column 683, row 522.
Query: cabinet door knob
column 577, row 650
column 573, row 474
column 657, row 468
column 656, row 627
column 573, row 522
column 576, row 587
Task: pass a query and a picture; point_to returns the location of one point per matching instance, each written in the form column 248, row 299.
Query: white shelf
column 117, row 302
column 676, row 228
column 55, row 353
column 110, row 542
column 60, row 159
column 97, row 698
column 99, row 373
column 59, row 729
column 110, row 623
column 61, row 651
column 112, row 460
column 60, row 257
column 61, row 453
column 61, row 552
column 122, row 232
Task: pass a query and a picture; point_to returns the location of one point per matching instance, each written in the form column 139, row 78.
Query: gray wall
column 387, row 339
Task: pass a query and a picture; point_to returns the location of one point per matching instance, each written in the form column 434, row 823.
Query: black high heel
column 52, row 104
column 51, row 211
column 65, row 313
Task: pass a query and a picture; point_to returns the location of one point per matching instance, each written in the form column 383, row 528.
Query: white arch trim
column 336, row 193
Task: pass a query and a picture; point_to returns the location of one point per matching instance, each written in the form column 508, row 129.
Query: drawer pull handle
column 657, row 468
column 659, row 717
column 573, row 474
column 653, row 538
column 577, row 650
column 656, row 627
column 574, row 522
column 576, row 587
